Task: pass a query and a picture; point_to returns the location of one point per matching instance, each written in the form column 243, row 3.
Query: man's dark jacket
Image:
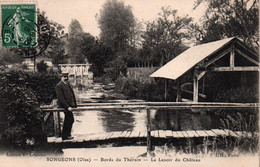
column 65, row 95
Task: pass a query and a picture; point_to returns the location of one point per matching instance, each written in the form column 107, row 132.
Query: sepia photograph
column 157, row 83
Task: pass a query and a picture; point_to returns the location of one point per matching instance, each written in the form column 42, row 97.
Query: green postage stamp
column 18, row 23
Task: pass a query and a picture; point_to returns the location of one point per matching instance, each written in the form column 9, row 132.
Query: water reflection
column 87, row 122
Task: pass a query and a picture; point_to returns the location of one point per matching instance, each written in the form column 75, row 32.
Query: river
column 87, row 122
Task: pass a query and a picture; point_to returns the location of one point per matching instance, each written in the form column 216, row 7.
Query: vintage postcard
column 129, row 83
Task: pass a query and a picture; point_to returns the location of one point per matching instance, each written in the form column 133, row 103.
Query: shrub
column 22, row 93
column 21, row 117
column 241, row 94
column 42, row 84
column 147, row 89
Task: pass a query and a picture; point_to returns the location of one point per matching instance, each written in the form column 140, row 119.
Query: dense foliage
column 116, row 22
column 146, row 89
column 164, row 37
column 21, row 94
column 227, row 18
column 21, row 117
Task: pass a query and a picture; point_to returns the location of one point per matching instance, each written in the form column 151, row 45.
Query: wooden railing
column 195, row 107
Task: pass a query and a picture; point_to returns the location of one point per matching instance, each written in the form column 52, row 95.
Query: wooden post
column 195, row 86
column 165, row 89
column 56, row 128
column 149, row 142
column 44, row 128
column 178, row 91
column 232, row 56
column 56, row 119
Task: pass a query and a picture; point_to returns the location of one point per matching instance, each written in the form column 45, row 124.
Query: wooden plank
column 195, row 133
column 179, row 133
column 157, row 134
column 128, row 134
column 123, row 134
column 184, row 134
column 168, row 133
column 175, row 134
column 109, row 134
column 162, row 134
column 190, row 134
column 116, row 134
column 134, row 134
column 210, row 133
column 239, row 133
column 143, row 134
column 104, row 135
column 250, row 68
column 153, row 133
column 201, row 133
column 220, row 132
column 230, row 132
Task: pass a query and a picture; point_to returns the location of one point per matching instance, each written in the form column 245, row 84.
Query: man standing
column 66, row 99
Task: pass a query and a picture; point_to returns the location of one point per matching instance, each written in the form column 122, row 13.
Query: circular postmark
column 25, row 29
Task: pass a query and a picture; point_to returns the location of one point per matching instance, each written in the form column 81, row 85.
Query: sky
column 85, row 11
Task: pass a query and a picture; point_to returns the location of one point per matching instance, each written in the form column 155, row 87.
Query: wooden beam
column 201, row 74
column 249, row 50
column 149, row 141
column 165, row 89
column 217, row 57
column 195, row 86
column 56, row 123
column 132, row 105
column 178, row 91
column 232, row 56
column 247, row 57
column 220, row 69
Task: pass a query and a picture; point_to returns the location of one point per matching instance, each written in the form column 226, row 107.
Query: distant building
column 30, row 62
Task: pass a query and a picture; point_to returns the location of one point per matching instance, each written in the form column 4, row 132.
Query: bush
column 21, row 94
column 146, row 89
column 21, row 117
column 241, row 94
column 42, row 84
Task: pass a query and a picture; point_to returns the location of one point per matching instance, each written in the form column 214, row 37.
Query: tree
column 99, row 56
column 8, row 56
column 227, row 18
column 116, row 22
column 163, row 38
column 56, row 48
column 79, row 42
